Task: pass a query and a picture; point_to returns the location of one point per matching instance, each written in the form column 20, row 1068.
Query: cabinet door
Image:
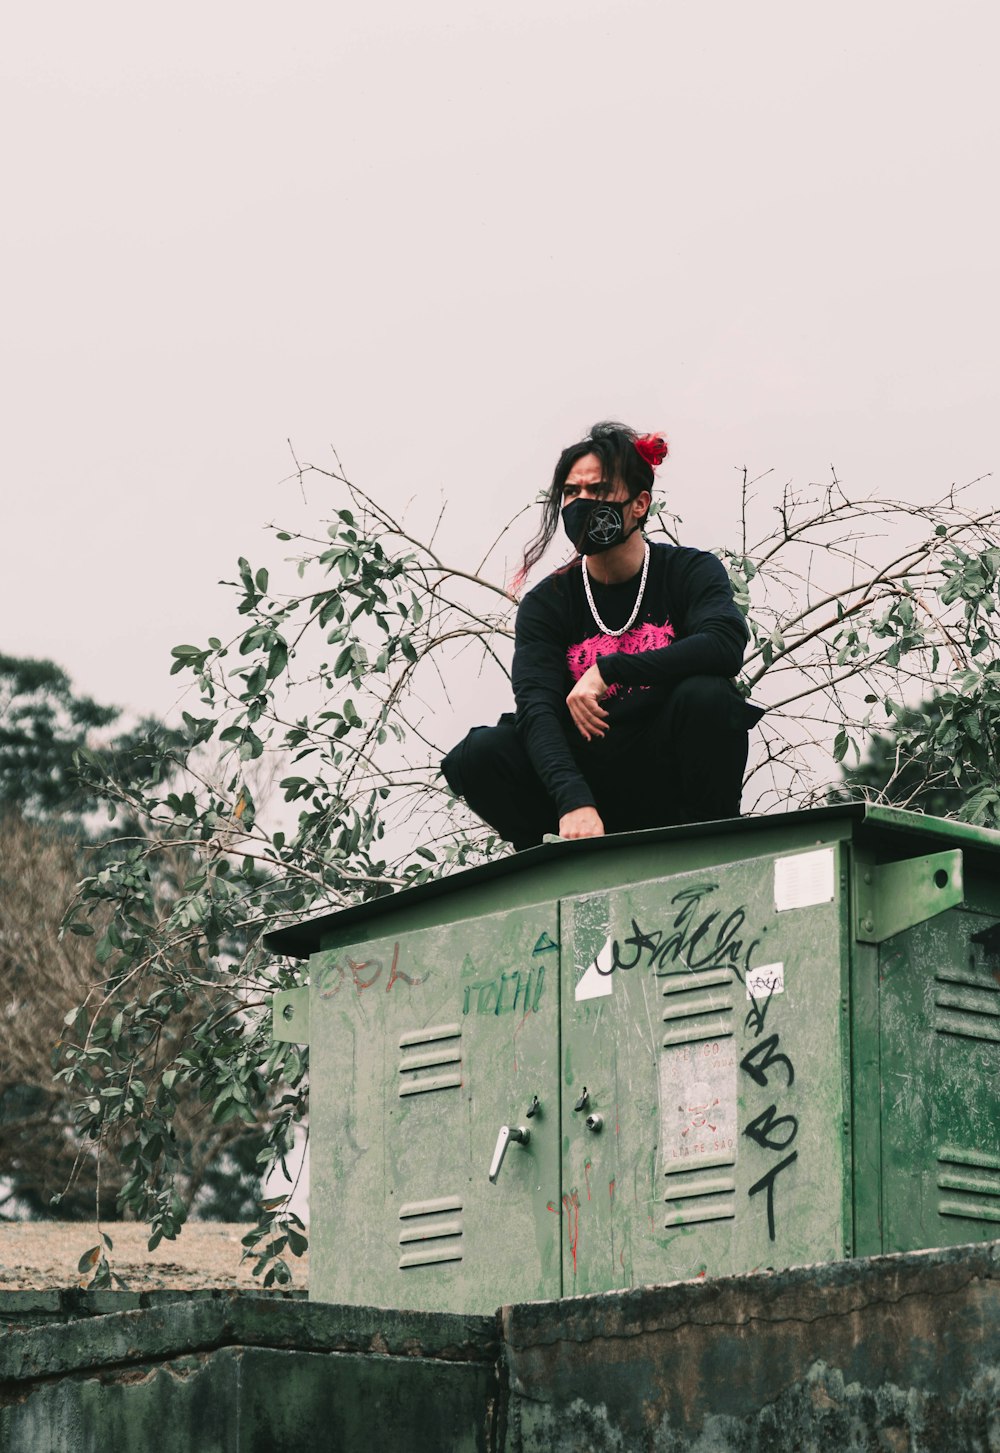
column 939, row 1012
column 703, row 1016
column 422, row 1048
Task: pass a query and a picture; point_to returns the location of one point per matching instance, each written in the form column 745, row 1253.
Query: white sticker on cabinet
column 804, row 879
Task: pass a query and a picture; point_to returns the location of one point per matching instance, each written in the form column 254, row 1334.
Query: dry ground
column 44, row 1254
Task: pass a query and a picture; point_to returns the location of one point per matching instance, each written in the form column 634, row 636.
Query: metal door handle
column 520, row 1133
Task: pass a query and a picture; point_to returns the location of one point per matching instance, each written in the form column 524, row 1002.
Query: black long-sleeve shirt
column 688, row 625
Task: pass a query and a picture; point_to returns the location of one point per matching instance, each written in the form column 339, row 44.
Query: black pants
column 683, row 761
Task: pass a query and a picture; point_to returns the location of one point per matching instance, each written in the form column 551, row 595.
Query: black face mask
column 595, row 525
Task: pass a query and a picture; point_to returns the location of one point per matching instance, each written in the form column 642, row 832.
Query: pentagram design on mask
column 603, row 526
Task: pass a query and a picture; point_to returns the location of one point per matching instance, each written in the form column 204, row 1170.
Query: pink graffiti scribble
column 364, row 975
column 358, row 969
column 647, row 637
column 572, row 1205
column 396, row 973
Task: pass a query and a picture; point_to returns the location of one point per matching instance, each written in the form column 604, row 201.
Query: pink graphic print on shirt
column 647, row 637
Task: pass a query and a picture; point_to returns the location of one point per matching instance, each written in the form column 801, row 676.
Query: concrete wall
column 895, row 1354
column 250, row 1375
column 70, row 1304
column 898, row 1354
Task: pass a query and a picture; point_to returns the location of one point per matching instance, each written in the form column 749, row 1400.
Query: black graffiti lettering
column 697, row 944
column 640, row 942
column 727, row 945
column 690, row 900
column 666, row 951
column 703, row 929
column 678, row 945
column 765, row 1129
column 701, row 948
column 765, row 1051
column 766, row 1182
column 757, row 1016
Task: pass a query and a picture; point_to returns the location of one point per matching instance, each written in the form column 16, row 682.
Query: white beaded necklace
column 638, row 600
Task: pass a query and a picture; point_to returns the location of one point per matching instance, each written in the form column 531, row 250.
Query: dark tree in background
column 42, row 725
column 910, row 765
column 50, row 835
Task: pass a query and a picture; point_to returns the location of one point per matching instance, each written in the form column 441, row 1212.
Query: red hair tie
column 652, row 448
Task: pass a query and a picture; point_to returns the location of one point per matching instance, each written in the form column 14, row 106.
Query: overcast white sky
column 445, row 238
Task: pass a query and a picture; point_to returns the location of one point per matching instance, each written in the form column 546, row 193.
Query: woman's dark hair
column 614, row 445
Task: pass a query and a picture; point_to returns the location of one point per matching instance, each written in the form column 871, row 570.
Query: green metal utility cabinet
column 627, row 1060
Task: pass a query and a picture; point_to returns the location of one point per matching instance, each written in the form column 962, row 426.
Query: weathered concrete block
column 190, row 1403
column 894, row 1353
column 70, row 1304
column 247, row 1375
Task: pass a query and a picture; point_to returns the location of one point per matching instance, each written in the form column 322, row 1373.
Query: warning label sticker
column 804, row 879
column 698, row 1102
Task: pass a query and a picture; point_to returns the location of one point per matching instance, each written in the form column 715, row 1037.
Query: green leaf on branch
column 277, row 659
column 251, row 747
